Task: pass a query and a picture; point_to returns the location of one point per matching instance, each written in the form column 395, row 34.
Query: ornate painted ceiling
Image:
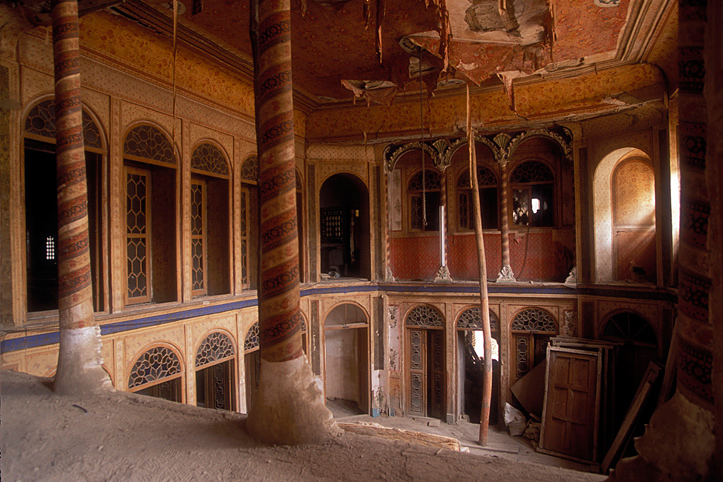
column 377, row 48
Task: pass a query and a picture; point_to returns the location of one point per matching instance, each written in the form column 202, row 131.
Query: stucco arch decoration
column 435, row 150
column 457, row 144
column 502, row 145
column 603, row 210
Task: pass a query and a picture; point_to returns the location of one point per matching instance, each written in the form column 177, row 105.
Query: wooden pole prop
column 79, row 360
column 289, row 406
column 484, row 299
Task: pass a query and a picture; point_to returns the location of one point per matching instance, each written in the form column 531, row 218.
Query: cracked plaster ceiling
column 337, row 54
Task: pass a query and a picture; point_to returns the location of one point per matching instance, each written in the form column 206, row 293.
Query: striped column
column 289, row 406
column 79, row 361
column 505, row 273
column 279, row 313
column 679, row 441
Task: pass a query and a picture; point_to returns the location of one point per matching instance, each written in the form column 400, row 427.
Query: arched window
column 215, row 372
column 210, row 220
column 150, row 177
column 423, row 190
column 158, row 373
column 41, row 207
column 531, row 330
column 532, row 186
column 487, row 182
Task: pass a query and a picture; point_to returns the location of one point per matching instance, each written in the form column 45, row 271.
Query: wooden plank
column 428, row 439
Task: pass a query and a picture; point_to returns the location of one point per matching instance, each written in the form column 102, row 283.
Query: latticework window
column 531, row 171
column 137, row 236
column 252, row 338
column 523, row 356
column 629, row 327
column 209, row 159
column 198, row 237
column 250, row 170
column 216, row 347
column 533, row 319
column 332, row 225
column 146, row 142
column 427, row 180
column 471, row 319
column 41, row 120
column 424, row 315
column 155, row 365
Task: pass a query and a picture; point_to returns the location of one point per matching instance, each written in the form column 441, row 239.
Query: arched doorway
column 344, row 227
column 346, row 359
column 158, row 373
column 624, row 217
column 41, row 212
column 633, row 186
column 470, row 359
column 426, row 362
column 215, row 373
column 638, row 346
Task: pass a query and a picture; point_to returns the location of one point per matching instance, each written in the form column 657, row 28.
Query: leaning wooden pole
column 484, row 298
column 289, row 406
column 79, row 359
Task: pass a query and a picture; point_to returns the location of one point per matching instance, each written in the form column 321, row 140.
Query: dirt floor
column 119, row 436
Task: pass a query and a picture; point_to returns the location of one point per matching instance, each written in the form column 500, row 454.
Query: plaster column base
column 289, row 406
column 677, row 445
column 506, row 275
column 80, row 364
column 443, row 275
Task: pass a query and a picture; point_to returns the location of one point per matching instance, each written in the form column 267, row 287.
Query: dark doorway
column 41, row 225
column 214, row 386
column 639, row 347
column 344, row 227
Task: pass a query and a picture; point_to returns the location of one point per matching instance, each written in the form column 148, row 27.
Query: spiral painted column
column 289, row 406
column 79, row 361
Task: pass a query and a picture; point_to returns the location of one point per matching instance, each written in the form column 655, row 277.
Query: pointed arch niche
column 624, row 217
